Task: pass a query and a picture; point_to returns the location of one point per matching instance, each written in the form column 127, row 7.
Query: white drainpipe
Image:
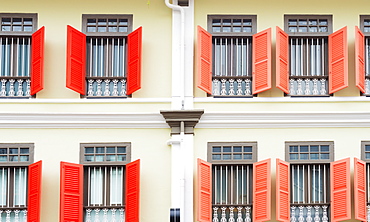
column 182, row 49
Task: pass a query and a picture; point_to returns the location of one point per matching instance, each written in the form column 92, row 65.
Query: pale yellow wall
column 271, row 144
column 270, row 13
column 55, row 15
column 55, row 145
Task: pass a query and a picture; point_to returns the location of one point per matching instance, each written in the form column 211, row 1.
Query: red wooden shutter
column 37, row 61
column 76, row 60
column 204, row 191
column 261, row 57
column 282, row 60
column 360, row 60
column 134, row 55
column 262, row 190
column 340, row 190
column 360, row 190
column 71, row 192
column 133, row 191
column 282, row 191
column 204, row 60
column 338, row 60
column 34, row 192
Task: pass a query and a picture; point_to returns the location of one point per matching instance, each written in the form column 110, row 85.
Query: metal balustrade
column 232, row 87
column 104, row 215
column 13, row 215
column 314, row 213
column 15, row 55
column 106, row 66
column 232, row 214
column 308, row 87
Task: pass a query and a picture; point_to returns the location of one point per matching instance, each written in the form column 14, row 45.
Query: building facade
column 191, row 110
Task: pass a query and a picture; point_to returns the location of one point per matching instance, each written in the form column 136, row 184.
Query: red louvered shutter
column 261, row 57
column 282, row 191
column 338, row 60
column 282, row 60
column 133, row 191
column 134, row 55
column 76, row 60
column 262, row 191
column 360, row 60
column 204, row 60
column 37, row 61
column 34, row 192
column 360, row 190
column 340, row 190
column 71, row 192
column 204, row 191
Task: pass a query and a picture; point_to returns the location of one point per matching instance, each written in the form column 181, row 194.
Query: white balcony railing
column 106, row 87
column 18, row 215
column 104, row 215
column 308, row 87
column 232, row 87
column 313, row 213
column 15, row 87
column 232, row 214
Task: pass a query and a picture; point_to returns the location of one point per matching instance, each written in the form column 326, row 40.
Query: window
column 362, row 55
column 16, row 191
column 233, row 60
column 21, row 55
column 104, row 60
column 106, row 183
column 311, row 60
column 361, row 182
column 312, row 183
column 232, row 170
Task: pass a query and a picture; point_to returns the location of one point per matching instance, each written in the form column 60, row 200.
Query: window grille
column 310, row 179
column 104, row 180
column 365, row 27
column 232, row 178
column 15, row 53
column 106, row 54
column 308, row 45
column 232, row 54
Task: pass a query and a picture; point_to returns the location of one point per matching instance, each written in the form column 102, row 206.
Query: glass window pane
column 5, row 28
column 216, row 149
column 237, row 156
column 324, row 148
column 226, row 29
column 24, row 158
column 13, row 151
column 216, row 22
column 27, row 28
column 3, row 158
column 237, row 29
column 91, row 29
column 17, row 21
column 292, row 22
column 121, row 157
column 112, row 21
column 89, row 149
column 13, row 158
column 6, row 21
column 3, row 150
column 323, row 22
column 237, row 149
column 17, row 28
column 293, row 149
column 122, row 29
column 123, row 22
column 25, row 150
column 89, row 158
column 227, row 149
column 247, row 21
column 302, row 22
column 303, row 149
column 91, row 21
column 302, row 29
column 216, row 29
column 367, row 148
column 111, row 149
column 247, row 156
column 367, row 156
column 237, row 22
column 303, row 156
column 247, row 29
column 100, row 150
column 99, row 158
column 102, row 29
column 314, row 148
column 102, row 21
column 121, row 149
column 112, row 29
column 248, row 149
column 323, row 29
column 111, row 157
column 324, row 156
column 227, row 156
column 367, row 22
column 226, row 21
column 312, row 22
column 313, row 29
column 293, row 156
column 314, row 156
column 216, row 156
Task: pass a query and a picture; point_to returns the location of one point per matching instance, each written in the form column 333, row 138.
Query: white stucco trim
column 281, row 99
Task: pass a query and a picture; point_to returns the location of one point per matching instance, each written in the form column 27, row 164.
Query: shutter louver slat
column 204, row 60
column 262, row 191
column 34, row 191
column 71, row 192
column 133, row 191
column 134, row 56
column 360, row 190
column 37, row 61
column 360, row 60
column 261, row 57
column 204, row 191
column 282, row 191
column 76, row 60
column 338, row 60
column 282, row 60
column 340, row 190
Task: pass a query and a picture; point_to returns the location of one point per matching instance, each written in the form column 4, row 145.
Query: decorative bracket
column 174, row 118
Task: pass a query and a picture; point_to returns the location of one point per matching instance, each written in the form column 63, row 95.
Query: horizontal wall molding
column 207, row 121
column 282, row 99
column 284, row 119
